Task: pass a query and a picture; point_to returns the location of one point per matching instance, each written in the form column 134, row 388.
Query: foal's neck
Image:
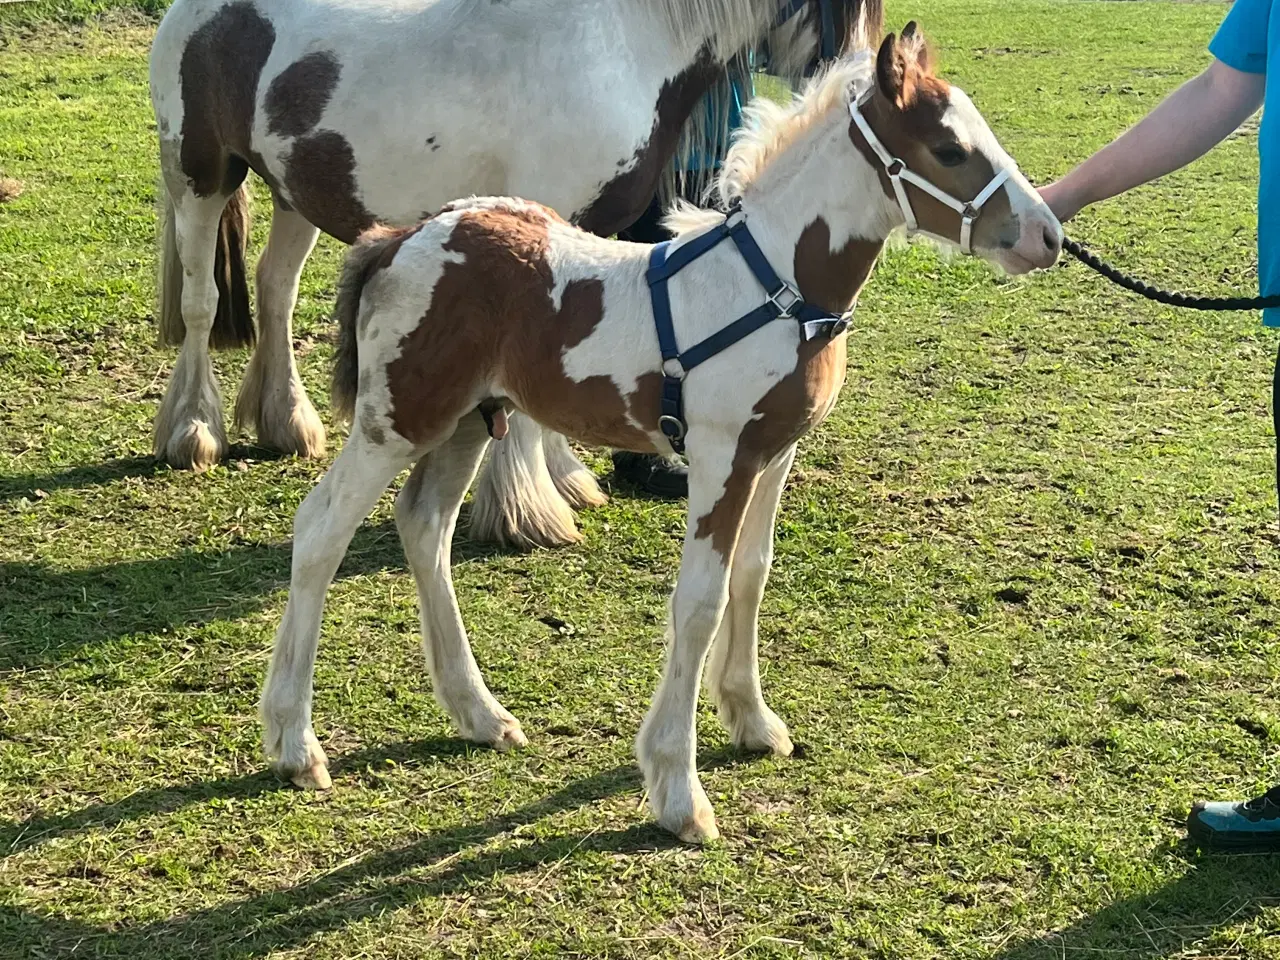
column 820, row 215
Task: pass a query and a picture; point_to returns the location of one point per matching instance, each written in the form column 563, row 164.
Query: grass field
column 1022, row 611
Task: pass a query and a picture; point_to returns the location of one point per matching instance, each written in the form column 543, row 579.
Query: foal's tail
column 233, row 323
column 374, row 250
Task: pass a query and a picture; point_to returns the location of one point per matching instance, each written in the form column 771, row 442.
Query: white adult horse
column 384, row 110
column 498, row 303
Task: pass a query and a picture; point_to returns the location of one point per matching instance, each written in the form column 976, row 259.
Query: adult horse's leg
column 576, row 483
column 189, row 432
column 733, row 670
column 667, row 744
column 516, row 504
column 426, row 513
column 322, row 529
column 272, row 396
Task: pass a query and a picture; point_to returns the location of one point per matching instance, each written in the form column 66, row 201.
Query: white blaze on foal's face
column 938, row 133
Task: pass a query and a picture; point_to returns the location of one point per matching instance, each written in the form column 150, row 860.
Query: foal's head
column 939, row 137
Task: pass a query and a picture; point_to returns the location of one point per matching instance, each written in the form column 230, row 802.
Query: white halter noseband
column 898, row 171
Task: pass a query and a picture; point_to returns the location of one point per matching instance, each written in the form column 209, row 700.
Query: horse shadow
column 113, row 469
column 437, row 865
column 50, row 614
column 1215, row 892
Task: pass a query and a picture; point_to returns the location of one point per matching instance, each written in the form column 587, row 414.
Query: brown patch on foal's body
column 493, row 313
column 804, row 397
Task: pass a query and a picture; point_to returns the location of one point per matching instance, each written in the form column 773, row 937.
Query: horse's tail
column 374, row 250
column 233, row 323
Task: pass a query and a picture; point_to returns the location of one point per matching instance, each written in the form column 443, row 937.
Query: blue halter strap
column 782, row 301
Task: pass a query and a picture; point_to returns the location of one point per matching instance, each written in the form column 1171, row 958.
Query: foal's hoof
column 700, row 828
column 315, row 777
column 511, row 738
column 490, row 723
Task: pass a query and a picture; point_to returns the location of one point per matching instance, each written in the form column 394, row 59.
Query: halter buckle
column 673, row 369
column 791, row 295
column 895, row 167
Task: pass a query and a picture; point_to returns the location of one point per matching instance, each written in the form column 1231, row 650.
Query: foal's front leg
column 733, row 672
column 667, row 745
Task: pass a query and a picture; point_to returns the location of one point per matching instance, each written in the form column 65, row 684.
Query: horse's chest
column 797, row 403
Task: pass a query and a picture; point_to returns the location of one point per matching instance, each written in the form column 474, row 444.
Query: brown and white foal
column 497, row 304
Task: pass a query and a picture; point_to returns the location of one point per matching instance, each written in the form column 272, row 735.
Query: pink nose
column 1040, row 242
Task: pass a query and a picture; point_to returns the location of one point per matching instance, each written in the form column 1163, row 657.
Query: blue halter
column 783, row 301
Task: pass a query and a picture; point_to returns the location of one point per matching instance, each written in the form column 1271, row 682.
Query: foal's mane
column 769, row 128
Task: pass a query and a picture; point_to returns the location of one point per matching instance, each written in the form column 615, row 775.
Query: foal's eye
column 952, row 155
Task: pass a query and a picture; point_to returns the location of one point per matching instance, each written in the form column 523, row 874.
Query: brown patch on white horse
column 320, row 180
column 297, row 96
column 221, row 66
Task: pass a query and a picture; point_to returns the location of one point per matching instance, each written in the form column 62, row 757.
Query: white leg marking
column 272, row 396
column 322, row 529
column 667, row 744
column 576, row 483
column 733, row 671
column 189, row 432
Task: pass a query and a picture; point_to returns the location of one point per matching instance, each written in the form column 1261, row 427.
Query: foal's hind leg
column 667, row 745
column 272, row 396
column 322, row 529
column 733, row 671
column 426, row 513
column 188, row 430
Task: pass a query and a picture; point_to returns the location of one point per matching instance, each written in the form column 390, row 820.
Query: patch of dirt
column 10, row 189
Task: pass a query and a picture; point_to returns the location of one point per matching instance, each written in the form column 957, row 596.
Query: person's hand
column 1061, row 200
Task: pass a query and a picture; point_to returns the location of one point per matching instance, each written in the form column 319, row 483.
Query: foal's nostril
column 1051, row 240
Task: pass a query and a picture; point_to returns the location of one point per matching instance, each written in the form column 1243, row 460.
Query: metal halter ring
column 677, row 431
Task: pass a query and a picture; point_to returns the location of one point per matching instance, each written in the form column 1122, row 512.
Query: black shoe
column 655, row 475
column 1248, row 826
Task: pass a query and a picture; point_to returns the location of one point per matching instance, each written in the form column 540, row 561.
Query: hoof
column 316, row 777
column 511, row 738
column 195, row 445
column 699, row 830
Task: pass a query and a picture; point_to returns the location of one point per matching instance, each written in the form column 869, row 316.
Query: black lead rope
column 1168, row 297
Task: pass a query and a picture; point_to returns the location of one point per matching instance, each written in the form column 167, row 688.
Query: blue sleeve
column 1241, row 41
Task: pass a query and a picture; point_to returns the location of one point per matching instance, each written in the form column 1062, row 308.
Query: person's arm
column 1191, row 120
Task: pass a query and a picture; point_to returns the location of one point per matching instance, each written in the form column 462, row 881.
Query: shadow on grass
column 21, row 835
column 49, row 614
column 1216, row 892
column 435, row 866
column 119, row 468
column 88, row 475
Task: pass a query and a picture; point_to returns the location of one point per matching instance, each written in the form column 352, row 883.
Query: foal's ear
column 916, row 48
column 891, row 72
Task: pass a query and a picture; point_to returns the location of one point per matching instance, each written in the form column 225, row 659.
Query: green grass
column 1023, row 609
